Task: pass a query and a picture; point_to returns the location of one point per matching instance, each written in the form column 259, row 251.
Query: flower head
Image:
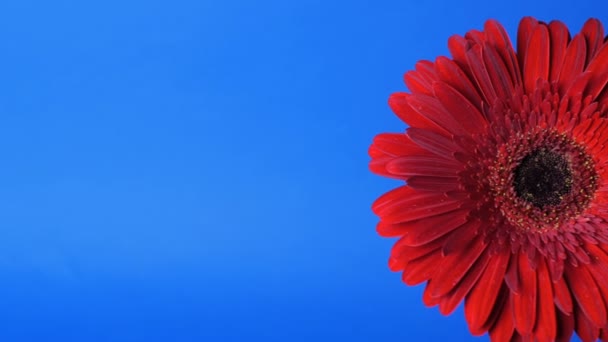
column 505, row 161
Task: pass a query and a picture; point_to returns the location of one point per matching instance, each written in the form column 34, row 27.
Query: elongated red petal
column 563, row 299
column 597, row 68
column 546, row 324
column 423, row 231
column 524, row 303
column 483, row 297
column 565, row 327
column 537, row 59
column 559, row 42
column 450, row 301
column 454, row 267
column 462, row 109
column 524, row 34
column 586, row 329
column 574, row 62
column 593, row 30
column 503, row 327
column 586, row 293
column 420, row 269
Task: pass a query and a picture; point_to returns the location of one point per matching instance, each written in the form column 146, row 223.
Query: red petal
column 574, row 62
column 559, row 42
column 546, row 326
column 585, row 329
column 405, row 204
column 461, row 238
column 597, row 67
column 463, row 111
column 498, row 72
column 450, row 301
column 594, row 35
column 503, row 328
column 421, row 79
column 437, row 184
column 480, row 73
column 401, row 253
column 524, row 34
column 431, row 108
column 455, row 266
column 401, row 108
column 450, row 73
column 427, row 298
column 421, row 269
column 421, row 232
column 586, row 293
column 563, row 300
column 498, row 37
column 423, row 165
column 512, row 275
column 565, row 327
column 524, row 303
column 434, row 142
column 556, row 268
column 394, row 144
column 536, row 63
column 458, row 47
column 483, row 297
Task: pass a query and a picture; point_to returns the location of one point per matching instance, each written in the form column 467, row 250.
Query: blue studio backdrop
column 197, row 170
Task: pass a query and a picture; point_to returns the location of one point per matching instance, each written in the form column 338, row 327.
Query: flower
column 505, row 160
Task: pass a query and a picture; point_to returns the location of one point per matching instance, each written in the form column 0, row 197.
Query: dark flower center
column 542, row 178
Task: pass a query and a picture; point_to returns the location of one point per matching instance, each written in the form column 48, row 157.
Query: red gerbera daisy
column 506, row 169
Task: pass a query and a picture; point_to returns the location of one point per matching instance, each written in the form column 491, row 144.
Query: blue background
column 197, row 170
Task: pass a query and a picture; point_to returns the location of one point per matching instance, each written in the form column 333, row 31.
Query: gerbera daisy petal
column 480, row 73
column 420, row 269
column 402, row 253
column 400, row 106
column 546, row 326
column 562, row 299
column 457, row 240
column 450, row 301
column 574, row 62
column 503, row 327
column 463, row 111
column 458, row 47
column 597, row 67
column 524, row 303
column 438, row 184
column 593, row 31
column 586, row 330
column 450, row 73
column 586, row 293
column 559, row 43
column 482, row 299
column 418, row 232
column 512, row 275
column 455, row 266
column 537, row 59
column 498, row 72
column 421, row 165
column 430, row 107
column 505, row 204
column 417, row 206
column 565, row 327
column 524, row 33
column 427, row 297
column 434, row 142
column 497, row 37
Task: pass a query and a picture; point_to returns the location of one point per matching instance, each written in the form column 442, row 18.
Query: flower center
column 543, row 178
